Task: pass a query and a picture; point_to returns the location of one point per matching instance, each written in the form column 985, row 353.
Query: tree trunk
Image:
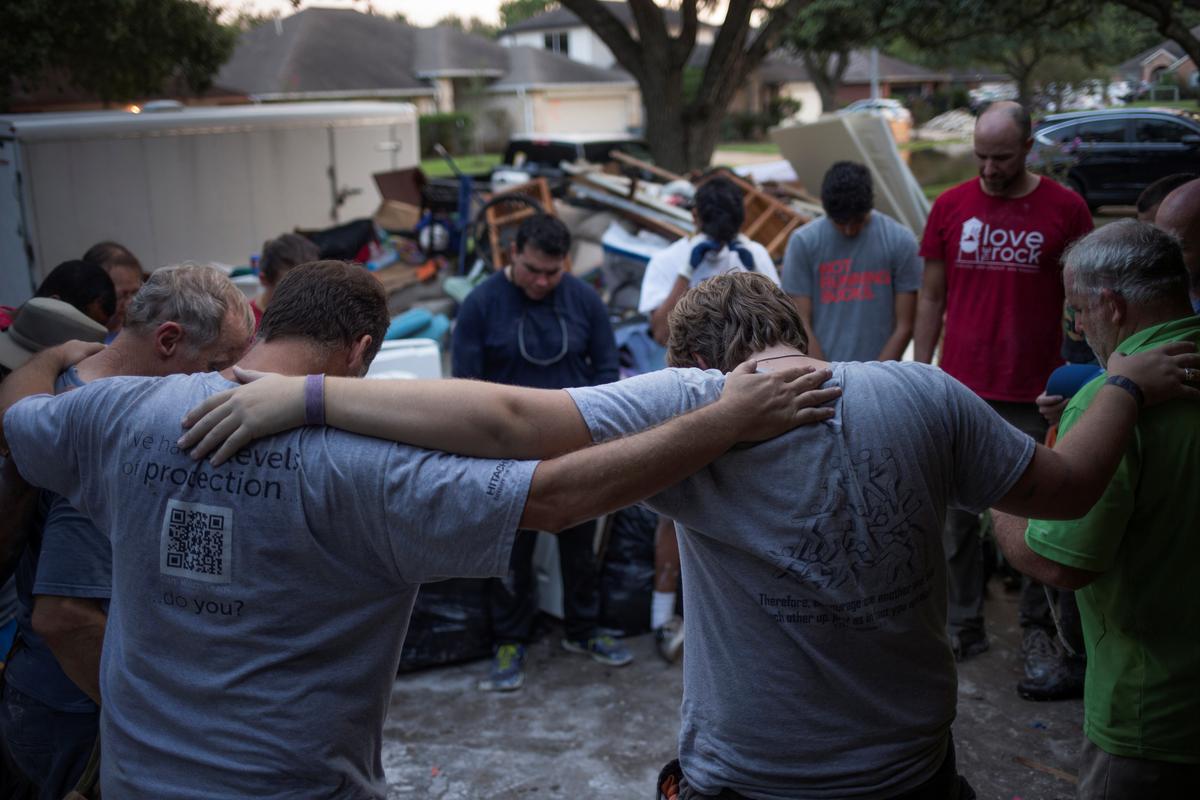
column 681, row 135
column 826, row 71
column 662, row 110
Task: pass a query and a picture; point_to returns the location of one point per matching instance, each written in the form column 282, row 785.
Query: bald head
column 1001, row 145
column 1180, row 212
column 1179, row 215
column 1005, row 118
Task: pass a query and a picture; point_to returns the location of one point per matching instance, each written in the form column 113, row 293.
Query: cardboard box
column 394, row 215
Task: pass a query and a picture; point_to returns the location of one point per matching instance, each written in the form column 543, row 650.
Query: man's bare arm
column 905, row 309
column 1010, row 534
column 73, row 629
column 471, row 418
column 596, row 480
column 931, row 306
column 804, row 307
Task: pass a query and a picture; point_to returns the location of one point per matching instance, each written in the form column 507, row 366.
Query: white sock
column 662, row 608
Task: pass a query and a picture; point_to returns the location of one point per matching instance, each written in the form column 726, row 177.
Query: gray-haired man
column 1134, row 559
column 184, row 319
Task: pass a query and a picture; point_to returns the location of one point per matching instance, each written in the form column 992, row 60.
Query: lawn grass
column 928, row 144
column 1186, row 105
column 934, row 189
column 749, row 147
column 471, row 165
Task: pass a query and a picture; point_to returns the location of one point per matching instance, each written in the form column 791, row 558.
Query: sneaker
column 1049, row 673
column 604, row 649
column 668, row 640
column 508, row 669
column 968, row 643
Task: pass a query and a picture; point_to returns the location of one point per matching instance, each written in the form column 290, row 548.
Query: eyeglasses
column 543, row 362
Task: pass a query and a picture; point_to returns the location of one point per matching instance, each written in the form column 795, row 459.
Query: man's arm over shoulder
column 614, row 474
column 641, row 402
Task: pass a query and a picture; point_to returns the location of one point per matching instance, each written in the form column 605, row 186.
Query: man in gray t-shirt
column 853, row 274
column 815, row 602
column 259, row 606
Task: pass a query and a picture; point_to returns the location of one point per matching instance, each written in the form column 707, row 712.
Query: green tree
column 682, row 131
column 472, row 25
column 514, row 11
column 824, row 35
column 114, row 49
column 1174, row 19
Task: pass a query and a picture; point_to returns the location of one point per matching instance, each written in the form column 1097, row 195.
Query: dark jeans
column 964, row 557
column 50, row 747
column 514, row 599
column 946, row 784
column 1103, row 776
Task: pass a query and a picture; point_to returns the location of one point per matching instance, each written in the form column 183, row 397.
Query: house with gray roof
column 1164, row 59
column 781, row 75
column 560, row 31
column 329, row 53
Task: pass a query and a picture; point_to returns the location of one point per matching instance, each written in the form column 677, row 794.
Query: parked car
column 1110, row 156
column 540, row 155
column 890, row 109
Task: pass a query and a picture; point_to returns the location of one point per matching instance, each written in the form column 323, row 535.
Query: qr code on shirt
column 195, row 542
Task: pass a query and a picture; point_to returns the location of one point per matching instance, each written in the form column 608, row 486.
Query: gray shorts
column 1103, row 776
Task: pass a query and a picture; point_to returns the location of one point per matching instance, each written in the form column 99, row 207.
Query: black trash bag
column 344, row 241
column 627, row 576
column 450, row 623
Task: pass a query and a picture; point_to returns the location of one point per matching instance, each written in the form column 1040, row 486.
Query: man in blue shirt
column 537, row 325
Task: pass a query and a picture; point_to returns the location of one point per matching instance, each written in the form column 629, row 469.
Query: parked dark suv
column 1110, row 156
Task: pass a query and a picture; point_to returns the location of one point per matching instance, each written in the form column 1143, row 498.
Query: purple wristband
column 314, row 400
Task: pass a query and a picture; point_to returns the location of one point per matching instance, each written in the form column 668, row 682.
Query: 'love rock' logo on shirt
column 981, row 246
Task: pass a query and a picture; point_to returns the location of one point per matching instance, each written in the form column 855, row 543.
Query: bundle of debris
column 958, row 123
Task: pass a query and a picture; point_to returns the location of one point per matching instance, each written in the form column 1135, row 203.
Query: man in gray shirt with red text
column 853, row 273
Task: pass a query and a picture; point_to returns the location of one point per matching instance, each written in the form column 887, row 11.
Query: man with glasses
column 536, row 325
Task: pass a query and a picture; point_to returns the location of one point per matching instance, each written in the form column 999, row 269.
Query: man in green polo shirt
column 1135, row 558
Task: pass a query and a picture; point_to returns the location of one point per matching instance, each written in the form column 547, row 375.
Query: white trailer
column 190, row 184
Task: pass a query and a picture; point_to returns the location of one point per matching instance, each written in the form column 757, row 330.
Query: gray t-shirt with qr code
column 258, row 608
column 814, row 578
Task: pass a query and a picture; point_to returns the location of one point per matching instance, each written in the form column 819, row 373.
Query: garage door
column 601, row 114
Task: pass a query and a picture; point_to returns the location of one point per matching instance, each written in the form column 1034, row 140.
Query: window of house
column 557, row 43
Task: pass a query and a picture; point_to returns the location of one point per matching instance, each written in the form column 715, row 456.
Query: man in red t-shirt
column 992, row 249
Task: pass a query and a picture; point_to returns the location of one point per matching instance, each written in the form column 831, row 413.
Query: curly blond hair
column 724, row 319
